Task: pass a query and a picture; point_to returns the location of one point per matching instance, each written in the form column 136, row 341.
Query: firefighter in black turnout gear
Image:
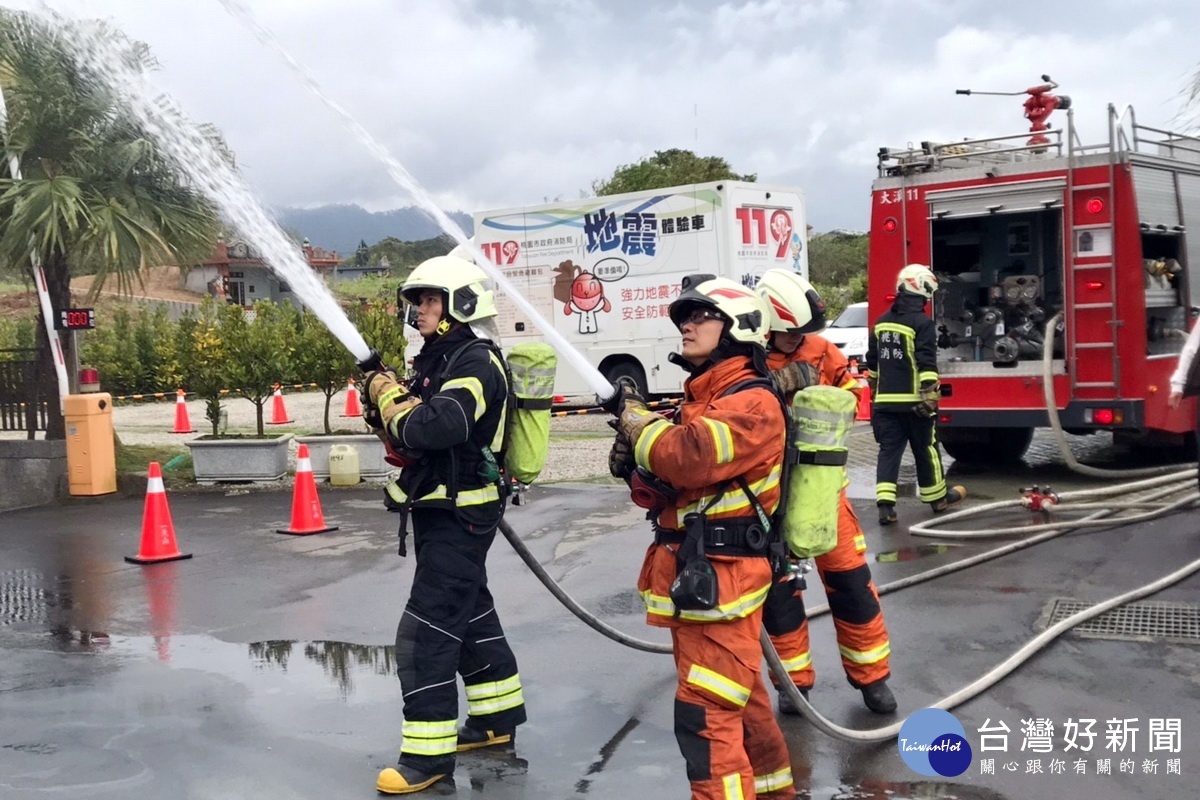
column 902, row 372
column 448, row 430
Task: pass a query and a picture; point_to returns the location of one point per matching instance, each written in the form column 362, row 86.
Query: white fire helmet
column 467, row 297
column 794, row 305
column 917, row 279
column 745, row 311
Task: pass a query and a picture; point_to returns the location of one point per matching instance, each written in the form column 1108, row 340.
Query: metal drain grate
column 1144, row 621
column 22, row 596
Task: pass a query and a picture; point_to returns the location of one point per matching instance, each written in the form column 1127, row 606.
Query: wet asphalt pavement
column 262, row 667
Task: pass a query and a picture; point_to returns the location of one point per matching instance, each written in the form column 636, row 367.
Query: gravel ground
column 578, row 445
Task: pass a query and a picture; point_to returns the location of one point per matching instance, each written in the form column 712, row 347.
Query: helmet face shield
column 465, row 294
column 744, row 312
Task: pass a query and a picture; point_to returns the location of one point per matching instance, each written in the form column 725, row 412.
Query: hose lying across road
column 1156, row 491
column 1154, row 499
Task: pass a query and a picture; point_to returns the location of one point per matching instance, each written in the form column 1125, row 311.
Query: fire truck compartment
column 1001, row 276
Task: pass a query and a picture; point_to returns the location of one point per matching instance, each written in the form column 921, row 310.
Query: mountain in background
column 342, row 227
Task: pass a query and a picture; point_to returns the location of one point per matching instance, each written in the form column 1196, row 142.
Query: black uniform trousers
column 896, row 430
column 450, row 625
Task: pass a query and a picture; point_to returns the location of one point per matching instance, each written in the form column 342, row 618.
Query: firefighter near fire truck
column 713, row 560
column 1091, row 237
column 799, row 359
column 905, row 391
column 450, row 426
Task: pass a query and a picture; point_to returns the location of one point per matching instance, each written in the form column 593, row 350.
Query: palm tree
column 95, row 196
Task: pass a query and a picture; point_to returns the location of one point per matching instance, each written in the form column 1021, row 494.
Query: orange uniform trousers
column 732, row 744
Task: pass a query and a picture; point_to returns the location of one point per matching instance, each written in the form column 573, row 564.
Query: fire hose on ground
column 1102, row 515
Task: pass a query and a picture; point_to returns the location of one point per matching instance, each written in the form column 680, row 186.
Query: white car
column 849, row 331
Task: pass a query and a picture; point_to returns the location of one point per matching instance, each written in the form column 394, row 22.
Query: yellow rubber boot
column 403, row 779
column 471, row 738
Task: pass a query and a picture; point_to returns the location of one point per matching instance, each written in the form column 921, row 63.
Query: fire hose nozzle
column 372, row 363
column 610, row 404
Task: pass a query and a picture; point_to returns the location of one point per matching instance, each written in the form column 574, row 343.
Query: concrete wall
column 32, row 472
column 198, row 278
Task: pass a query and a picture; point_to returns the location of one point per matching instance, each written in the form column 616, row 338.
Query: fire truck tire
column 627, row 369
column 985, row 445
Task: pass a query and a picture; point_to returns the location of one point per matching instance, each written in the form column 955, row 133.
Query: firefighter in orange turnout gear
column 799, row 358
column 721, row 461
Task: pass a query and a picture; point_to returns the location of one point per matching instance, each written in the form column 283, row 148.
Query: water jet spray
column 595, row 380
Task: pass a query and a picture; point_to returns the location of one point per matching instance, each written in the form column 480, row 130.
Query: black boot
column 786, row 706
column 887, row 513
column 955, row 495
column 879, row 697
column 472, row 738
column 406, row 779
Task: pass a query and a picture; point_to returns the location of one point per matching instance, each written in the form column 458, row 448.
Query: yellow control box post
column 91, row 457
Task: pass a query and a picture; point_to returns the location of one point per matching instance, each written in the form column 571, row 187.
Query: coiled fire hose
column 1060, row 437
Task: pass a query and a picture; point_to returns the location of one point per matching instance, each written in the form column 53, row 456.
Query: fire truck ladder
column 1094, row 323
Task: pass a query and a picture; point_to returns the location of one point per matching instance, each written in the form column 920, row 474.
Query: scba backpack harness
column 529, row 375
column 805, row 523
column 695, row 587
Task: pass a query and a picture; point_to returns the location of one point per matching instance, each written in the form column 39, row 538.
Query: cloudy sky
column 501, row 103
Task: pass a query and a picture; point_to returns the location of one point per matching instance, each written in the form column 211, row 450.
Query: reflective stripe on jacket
column 716, row 439
column 460, row 413
column 902, row 353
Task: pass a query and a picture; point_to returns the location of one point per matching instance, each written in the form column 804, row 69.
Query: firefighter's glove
column 794, row 377
column 625, row 396
column 376, row 383
column 930, row 393
column 388, row 397
column 395, row 405
column 872, row 383
column 620, row 458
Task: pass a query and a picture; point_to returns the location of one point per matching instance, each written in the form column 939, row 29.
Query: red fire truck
column 1029, row 230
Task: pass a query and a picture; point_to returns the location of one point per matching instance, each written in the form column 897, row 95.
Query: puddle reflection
column 338, row 660
column 69, row 597
column 912, row 553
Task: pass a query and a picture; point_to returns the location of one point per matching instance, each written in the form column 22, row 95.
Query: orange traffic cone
column 353, row 409
column 306, row 506
column 864, row 395
column 183, row 424
column 158, row 532
column 279, row 415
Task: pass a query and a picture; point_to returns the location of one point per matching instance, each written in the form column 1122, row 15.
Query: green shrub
column 322, row 359
column 137, row 351
column 259, row 346
column 16, row 333
column 204, row 360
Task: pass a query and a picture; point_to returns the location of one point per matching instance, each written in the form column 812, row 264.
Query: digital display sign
column 73, row 319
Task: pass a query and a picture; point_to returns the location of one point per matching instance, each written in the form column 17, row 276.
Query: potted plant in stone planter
column 255, row 351
column 322, row 359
